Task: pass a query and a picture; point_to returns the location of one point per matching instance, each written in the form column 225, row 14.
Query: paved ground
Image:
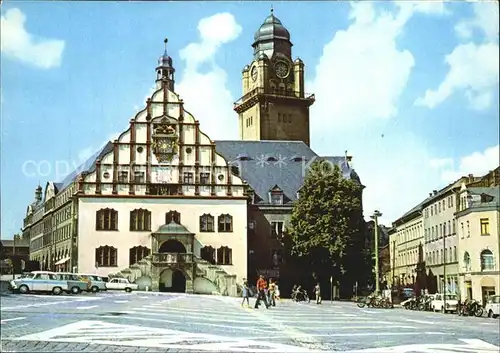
column 146, row 322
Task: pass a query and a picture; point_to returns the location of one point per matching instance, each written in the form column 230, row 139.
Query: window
column 462, row 229
column 140, row 220
column 453, row 227
column 225, row 222
column 440, row 256
column 276, row 198
column 106, row 219
column 123, row 177
column 106, row 256
column 439, row 206
column 208, row 254
column 139, row 177
column 277, row 230
column 207, row 223
column 224, row 256
column 485, row 226
column 432, row 211
column 468, row 229
column 467, row 266
column 487, row 260
column 137, row 253
column 205, row 178
column 172, row 216
column 454, row 257
column 449, row 228
column 188, row 178
column 451, row 201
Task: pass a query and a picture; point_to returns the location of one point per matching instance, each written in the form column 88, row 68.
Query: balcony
column 277, row 93
column 163, row 189
column 172, row 258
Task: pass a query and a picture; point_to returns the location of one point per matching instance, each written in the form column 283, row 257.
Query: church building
column 169, row 208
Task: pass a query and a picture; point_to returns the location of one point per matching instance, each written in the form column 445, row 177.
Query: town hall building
column 173, row 210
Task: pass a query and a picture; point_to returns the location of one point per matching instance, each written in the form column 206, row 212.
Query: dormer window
column 271, row 159
column 243, row 157
column 276, row 197
column 235, row 170
column 297, row 159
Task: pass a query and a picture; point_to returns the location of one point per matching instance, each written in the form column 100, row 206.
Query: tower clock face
column 254, row 73
column 281, row 69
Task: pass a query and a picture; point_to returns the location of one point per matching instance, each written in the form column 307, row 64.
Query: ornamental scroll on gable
column 165, row 141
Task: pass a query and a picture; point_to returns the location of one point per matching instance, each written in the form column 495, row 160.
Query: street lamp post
column 375, row 217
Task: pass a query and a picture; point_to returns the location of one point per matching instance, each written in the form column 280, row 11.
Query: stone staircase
column 225, row 283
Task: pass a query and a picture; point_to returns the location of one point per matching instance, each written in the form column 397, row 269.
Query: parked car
column 438, row 304
column 40, row 281
column 96, row 283
column 121, row 284
column 76, row 284
column 492, row 307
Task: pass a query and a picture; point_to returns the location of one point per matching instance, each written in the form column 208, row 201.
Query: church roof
column 87, row 166
column 287, row 171
column 272, row 28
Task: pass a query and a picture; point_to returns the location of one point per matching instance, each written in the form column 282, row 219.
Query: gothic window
column 225, row 222
column 106, row 219
column 467, row 264
column 208, row 254
column 207, row 223
column 106, row 256
column 140, row 220
column 123, row 177
column 487, row 260
column 139, row 177
column 188, row 178
column 224, row 256
column 172, row 216
column 137, row 253
column 204, row 178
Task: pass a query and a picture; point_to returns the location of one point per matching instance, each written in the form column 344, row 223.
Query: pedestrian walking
column 272, row 293
column 261, row 294
column 317, row 293
column 245, row 293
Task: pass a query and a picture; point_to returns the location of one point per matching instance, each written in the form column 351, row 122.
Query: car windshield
column 496, row 299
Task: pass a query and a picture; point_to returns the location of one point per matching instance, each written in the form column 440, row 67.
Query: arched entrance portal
column 173, row 246
column 172, row 281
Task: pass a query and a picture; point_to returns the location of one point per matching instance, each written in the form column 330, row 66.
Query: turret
column 165, row 70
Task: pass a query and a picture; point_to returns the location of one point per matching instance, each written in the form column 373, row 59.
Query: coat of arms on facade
column 165, row 141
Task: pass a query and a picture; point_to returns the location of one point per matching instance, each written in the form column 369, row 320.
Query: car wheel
column 75, row 290
column 56, row 290
column 94, row 289
column 24, row 289
column 128, row 290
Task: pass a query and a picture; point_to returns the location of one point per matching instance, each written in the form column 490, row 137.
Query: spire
column 272, row 9
column 165, row 69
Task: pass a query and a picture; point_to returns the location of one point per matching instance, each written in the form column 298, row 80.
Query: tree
column 326, row 232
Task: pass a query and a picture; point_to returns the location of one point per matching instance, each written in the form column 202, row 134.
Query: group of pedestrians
column 268, row 293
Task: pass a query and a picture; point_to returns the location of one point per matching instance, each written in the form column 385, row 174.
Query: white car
column 121, row 284
column 492, row 307
column 438, row 304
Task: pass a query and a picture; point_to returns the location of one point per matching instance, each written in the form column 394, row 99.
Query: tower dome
column 272, row 37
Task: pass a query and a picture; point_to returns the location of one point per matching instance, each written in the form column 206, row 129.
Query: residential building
column 16, row 251
column 478, row 220
column 406, row 240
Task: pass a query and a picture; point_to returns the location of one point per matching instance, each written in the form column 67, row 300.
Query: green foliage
column 325, row 228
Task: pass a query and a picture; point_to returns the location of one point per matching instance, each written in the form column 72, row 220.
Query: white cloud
column 205, row 93
column 362, row 64
column 359, row 80
column 485, row 20
column 473, row 68
column 17, row 43
column 477, row 163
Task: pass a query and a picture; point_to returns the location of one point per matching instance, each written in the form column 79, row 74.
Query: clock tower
column 274, row 105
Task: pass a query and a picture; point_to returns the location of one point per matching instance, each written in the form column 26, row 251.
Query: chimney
column 471, row 178
column 430, row 194
column 434, row 192
column 38, row 194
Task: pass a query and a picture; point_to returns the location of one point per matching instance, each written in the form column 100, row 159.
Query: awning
column 62, row 261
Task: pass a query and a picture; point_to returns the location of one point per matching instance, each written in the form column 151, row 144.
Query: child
column 245, row 293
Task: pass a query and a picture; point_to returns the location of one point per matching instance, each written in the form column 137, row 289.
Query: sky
column 409, row 89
